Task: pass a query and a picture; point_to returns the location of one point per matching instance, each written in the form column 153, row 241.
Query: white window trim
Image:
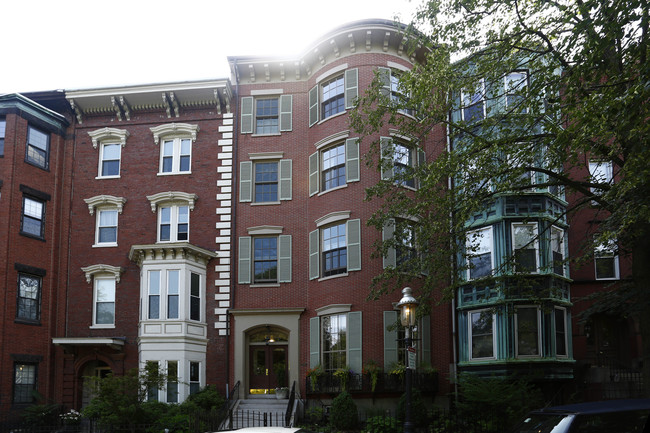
column 97, row 243
column 104, row 277
column 175, row 132
column 522, row 86
column 539, row 332
column 173, row 199
column 174, row 222
column 479, row 88
column 102, row 271
column 470, row 336
column 604, row 251
column 105, row 136
column 562, row 249
column 535, row 243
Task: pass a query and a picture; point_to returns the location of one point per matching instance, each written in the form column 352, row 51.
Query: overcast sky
column 84, row 44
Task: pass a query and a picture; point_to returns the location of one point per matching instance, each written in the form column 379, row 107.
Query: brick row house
column 216, row 230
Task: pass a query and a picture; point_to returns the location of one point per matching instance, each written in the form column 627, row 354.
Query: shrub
column 382, row 424
column 419, row 411
column 344, row 415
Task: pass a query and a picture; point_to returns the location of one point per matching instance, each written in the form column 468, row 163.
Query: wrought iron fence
column 330, row 383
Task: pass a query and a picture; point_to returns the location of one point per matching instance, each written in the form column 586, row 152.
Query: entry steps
column 259, row 410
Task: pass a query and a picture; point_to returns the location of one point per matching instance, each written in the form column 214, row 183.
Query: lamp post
column 407, row 306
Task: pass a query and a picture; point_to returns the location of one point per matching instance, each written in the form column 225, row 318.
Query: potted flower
column 343, row 375
column 71, row 418
column 373, row 371
column 280, row 369
column 313, row 374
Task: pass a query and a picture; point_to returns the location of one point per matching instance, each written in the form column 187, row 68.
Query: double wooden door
column 268, row 368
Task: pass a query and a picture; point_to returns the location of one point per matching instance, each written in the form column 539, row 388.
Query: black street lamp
column 407, row 306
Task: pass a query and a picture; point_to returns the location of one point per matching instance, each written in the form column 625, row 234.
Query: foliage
column 42, row 414
column 382, row 424
column 508, row 400
column 207, row 399
column 419, row 411
column 313, row 374
column 280, row 370
column 315, row 415
column 344, row 414
column 71, row 418
column 343, row 375
column 373, row 370
column 585, row 98
column 398, row 369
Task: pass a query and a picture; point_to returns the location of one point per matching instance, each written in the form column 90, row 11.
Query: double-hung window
column 173, row 223
column 29, row 298
column 267, row 179
column 606, row 262
column 25, row 376
column 334, row 166
column 265, row 256
column 473, row 103
column 391, row 88
column 176, row 141
column 110, row 142
column 3, row 127
column 335, row 247
column 173, row 215
column 110, row 157
column 526, row 247
column 528, row 335
column 38, row 148
column 479, row 248
column 481, row 335
column 601, row 174
column 402, row 251
column 334, row 338
column 398, row 160
column 106, row 233
column 557, row 250
column 195, row 377
column 561, row 335
column 172, row 382
column 33, row 217
column 335, row 92
column 163, row 296
column 266, row 113
column 515, row 85
column 104, row 311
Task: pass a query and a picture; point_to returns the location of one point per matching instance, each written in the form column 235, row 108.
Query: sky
column 86, row 44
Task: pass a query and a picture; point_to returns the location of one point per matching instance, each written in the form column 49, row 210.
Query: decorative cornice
column 141, row 254
column 102, row 269
column 333, row 217
column 106, row 134
column 172, row 197
column 105, row 201
column 175, row 129
column 265, row 230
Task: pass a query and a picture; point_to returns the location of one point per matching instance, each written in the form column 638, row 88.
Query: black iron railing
column 329, row 382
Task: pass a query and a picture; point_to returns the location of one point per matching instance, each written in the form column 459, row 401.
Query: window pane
column 195, row 297
column 333, row 172
column 482, row 335
column 266, row 116
column 266, row 182
column 527, row 332
column 560, row 333
column 334, row 330
column 37, row 147
column 105, row 314
column 154, row 294
column 265, row 259
column 333, row 97
column 105, row 301
column 24, row 383
column 172, row 381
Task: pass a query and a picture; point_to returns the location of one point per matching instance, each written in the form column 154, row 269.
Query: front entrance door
column 268, row 368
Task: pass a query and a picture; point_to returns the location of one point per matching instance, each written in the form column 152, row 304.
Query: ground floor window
column 24, row 382
column 334, row 339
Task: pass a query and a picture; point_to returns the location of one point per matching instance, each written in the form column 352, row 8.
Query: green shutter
column 384, row 78
column 247, row 115
column 352, row 159
column 285, row 183
column 286, row 112
column 390, row 339
column 284, row 259
column 313, row 105
column 425, row 339
column 313, row 174
column 354, row 245
column 390, row 257
column 355, row 341
column 244, row 260
column 351, row 87
column 246, row 181
column 386, row 146
column 314, row 342
column 314, row 255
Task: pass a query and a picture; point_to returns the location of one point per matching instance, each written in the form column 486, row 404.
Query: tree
column 560, row 83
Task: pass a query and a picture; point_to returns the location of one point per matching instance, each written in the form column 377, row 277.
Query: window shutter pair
column 391, row 346
column 245, row 259
column 354, row 349
column 390, row 256
column 352, row 168
column 353, row 240
column 246, row 180
column 248, row 114
column 387, row 161
column 351, row 93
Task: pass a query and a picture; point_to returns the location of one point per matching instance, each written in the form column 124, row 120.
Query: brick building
column 217, row 230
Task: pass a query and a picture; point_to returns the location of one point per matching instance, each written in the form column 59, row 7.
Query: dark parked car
column 612, row 416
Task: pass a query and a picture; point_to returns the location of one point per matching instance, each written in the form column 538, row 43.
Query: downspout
column 454, row 332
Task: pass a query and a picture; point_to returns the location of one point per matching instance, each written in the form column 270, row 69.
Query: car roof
column 599, row 406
